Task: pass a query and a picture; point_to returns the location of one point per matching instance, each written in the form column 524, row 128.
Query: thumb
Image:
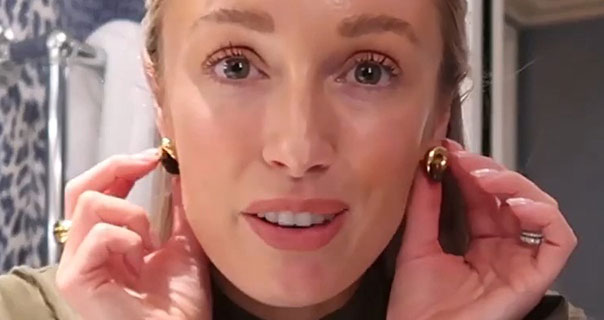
column 422, row 216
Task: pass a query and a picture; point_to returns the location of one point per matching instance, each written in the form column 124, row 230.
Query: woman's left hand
column 499, row 277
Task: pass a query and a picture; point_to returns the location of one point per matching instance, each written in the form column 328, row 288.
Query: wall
column 561, row 141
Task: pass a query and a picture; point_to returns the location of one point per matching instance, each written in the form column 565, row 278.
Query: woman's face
column 284, row 107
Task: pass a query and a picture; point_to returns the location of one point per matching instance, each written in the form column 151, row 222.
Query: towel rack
column 61, row 51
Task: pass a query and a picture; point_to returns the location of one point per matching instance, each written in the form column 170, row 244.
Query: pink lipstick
column 296, row 224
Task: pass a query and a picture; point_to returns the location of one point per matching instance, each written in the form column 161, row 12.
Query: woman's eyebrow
column 359, row 25
column 255, row 20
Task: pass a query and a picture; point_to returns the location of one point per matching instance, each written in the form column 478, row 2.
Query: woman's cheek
column 209, row 145
column 383, row 160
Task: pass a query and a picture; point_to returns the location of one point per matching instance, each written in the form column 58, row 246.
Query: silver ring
column 531, row 238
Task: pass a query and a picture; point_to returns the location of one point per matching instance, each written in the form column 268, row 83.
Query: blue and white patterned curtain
column 23, row 142
column 23, row 147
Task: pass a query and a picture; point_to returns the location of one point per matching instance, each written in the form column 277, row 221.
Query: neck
column 268, row 312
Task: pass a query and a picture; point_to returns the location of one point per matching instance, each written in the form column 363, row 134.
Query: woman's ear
column 161, row 121
column 442, row 123
column 438, row 125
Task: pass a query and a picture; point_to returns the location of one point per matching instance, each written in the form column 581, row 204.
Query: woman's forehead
column 417, row 20
column 282, row 12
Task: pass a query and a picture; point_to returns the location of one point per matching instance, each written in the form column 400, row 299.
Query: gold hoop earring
column 168, row 156
column 437, row 163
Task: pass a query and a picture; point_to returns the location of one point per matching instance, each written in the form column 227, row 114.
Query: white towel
column 114, row 113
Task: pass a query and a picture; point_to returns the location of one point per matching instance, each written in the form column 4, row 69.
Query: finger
column 507, row 223
column 510, row 184
column 462, row 165
column 559, row 239
column 120, row 188
column 479, row 204
column 103, row 175
column 471, row 159
column 102, row 243
column 453, row 145
column 94, row 207
column 422, row 216
column 181, row 229
column 487, row 168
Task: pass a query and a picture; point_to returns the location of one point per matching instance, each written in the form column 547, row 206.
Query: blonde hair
column 152, row 26
column 161, row 219
column 454, row 69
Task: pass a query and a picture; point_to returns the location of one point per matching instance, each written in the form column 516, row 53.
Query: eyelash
column 383, row 60
column 229, row 51
column 226, row 52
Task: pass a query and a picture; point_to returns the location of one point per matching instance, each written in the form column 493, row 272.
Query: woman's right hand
column 111, row 267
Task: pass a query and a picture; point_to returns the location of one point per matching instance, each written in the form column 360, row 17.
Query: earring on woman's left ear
column 168, row 156
column 437, row 162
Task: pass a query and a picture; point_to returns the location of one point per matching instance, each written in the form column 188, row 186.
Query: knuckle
column 136, row 241
column 101, row 231
column 104, row 233
column 116, row 161
column 138, row 216
column 88, row 196
column 65, row 281
column 574, row 240
column 70, row 189
column 555, row 202
column 89, row 201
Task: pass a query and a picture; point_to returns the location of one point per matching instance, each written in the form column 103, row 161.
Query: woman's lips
column 317, row 206
column 296, row 238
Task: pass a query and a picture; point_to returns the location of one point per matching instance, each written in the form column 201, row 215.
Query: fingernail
column 149, row 154
column 483, row 172
column 512, row 202
column 462, row 154
column 454, row 145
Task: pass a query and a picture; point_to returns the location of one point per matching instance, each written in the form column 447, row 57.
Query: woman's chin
column 293, row 295
column 286, row 278
column 296, row 288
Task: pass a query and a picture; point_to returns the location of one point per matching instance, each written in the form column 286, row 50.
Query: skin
column 298, row 129
column 303, row 126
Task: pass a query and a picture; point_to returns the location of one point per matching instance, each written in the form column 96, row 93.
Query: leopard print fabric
column 23, row 147
column 23, row 142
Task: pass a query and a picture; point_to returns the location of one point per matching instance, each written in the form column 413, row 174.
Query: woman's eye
column 235, row 68
column 370, row 74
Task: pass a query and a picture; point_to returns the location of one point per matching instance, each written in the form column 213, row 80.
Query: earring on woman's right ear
column 168, row 156
column 437, row 162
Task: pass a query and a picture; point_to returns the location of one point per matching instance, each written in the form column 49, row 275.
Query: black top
column 370, row 301
column 27, row 293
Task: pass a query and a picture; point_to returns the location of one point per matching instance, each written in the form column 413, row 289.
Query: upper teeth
column 300, row 219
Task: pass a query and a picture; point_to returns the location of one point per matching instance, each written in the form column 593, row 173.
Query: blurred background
column 72, row 92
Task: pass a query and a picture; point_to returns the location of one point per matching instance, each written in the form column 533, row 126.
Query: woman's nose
column 300, row 135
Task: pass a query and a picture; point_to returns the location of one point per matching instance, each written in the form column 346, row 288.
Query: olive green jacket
column 31, row 294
